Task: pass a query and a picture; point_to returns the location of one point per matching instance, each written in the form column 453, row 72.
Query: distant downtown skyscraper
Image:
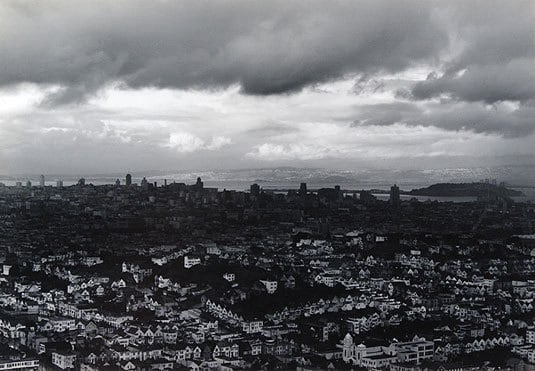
column 394, row 196
column 128, row 179
column 42, row 181
column 303, row 189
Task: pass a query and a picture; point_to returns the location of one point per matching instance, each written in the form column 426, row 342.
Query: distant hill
column 464, row 190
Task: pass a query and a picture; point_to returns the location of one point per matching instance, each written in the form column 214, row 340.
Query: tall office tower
column 81, row 182
column 42, row 181
column 28, row 184
column 59, row 183
column 303, row 189
column 165, row 182
column 144, row 183
column 338, row 191
column 117, row 182
column 394, row 196
column 255, row 190
column 128, row 180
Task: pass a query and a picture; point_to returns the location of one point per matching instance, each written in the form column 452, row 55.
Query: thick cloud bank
column 268, row 47
column 228, row 82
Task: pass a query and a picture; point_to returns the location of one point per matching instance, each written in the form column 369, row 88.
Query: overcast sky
column 104, row 86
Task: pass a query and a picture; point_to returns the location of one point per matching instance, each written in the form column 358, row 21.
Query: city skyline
column 267, row 185
column 189, row 276
column 348, row 85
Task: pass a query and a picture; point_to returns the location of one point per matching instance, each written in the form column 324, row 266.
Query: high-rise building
column 42, row 181
column 144, row 183
column 81, row 182
column 303, row 189
column 128, row 181
column 117, row 182
column 59, row 183
column 29, row 184
column 394, row 196
column 255, row 190
column 339, row 193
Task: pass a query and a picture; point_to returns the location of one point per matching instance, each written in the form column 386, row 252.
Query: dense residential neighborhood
column 186, row 277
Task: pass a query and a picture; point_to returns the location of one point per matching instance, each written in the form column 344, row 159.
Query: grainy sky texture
column 101, row 86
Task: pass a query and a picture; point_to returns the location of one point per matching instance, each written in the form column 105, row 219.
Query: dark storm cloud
column 368, row 85
column 266, row 47
column 493, row 32
column 454, row 116
column 482, row 51
column 497, row 59
column 489, row 83
column 479, row 119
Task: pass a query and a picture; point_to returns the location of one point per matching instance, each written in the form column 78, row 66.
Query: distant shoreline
column 465, row 190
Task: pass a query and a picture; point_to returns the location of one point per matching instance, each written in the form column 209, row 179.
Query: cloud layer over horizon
column 241, row 83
